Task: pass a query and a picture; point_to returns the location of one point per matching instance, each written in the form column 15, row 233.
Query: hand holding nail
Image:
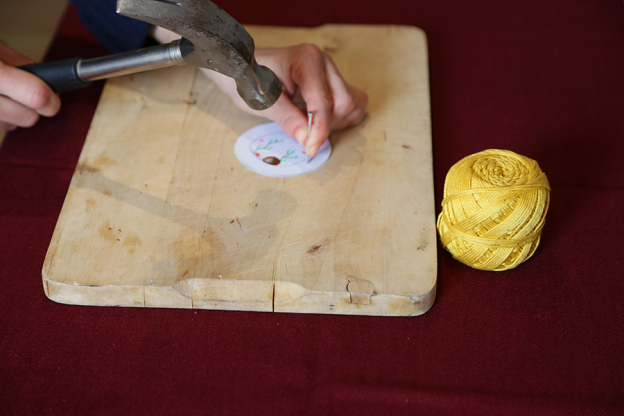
column 306, row 70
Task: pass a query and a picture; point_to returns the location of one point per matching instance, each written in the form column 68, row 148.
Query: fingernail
column 301, row 135
column 312, row 150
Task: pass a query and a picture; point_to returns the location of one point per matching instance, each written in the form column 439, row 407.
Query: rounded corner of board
column 414, row 29
column 52, row 293
column 422, row 304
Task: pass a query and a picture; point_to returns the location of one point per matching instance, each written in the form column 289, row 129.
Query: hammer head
column 219, row 43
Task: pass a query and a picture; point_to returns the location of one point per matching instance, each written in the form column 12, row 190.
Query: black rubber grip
column 59, row 75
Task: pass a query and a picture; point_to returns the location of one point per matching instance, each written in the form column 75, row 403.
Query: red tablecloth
column 541, row 78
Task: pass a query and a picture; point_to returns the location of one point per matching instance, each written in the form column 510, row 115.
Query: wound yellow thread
column 494, row 209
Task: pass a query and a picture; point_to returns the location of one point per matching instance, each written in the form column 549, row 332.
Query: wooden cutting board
column 160, row 213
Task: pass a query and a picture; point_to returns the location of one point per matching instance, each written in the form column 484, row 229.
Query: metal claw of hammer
column 211, row 39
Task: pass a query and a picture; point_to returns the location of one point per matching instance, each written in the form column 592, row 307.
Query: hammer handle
column 59, row 75
column 77, row 72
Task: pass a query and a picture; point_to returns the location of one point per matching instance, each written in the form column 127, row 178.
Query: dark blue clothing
column 117, row 33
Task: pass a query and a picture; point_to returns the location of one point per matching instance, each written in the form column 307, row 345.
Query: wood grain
column 160, row 213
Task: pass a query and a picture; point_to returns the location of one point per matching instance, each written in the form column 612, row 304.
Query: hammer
column 211, row 39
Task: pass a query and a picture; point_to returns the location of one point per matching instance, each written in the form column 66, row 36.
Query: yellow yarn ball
column 494, row 209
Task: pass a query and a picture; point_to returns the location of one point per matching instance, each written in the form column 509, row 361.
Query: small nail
column 301, row 135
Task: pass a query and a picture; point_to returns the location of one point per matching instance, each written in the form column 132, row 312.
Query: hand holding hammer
column 213, row 41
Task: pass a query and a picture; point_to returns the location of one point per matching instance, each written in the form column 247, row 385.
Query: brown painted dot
column 271, row 160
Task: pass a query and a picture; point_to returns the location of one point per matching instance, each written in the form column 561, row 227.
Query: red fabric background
column 544, row 79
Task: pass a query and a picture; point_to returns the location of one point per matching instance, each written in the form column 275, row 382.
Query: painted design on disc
column 268, row 151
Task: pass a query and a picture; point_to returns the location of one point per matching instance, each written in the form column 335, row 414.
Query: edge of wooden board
column 349, row 302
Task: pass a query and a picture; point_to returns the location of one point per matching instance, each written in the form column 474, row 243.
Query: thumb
column 289, row 117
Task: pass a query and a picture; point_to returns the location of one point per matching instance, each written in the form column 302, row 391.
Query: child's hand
column 23, row 96
column 309, row 74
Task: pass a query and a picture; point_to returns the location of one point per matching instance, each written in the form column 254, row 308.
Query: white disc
column 267, row 150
